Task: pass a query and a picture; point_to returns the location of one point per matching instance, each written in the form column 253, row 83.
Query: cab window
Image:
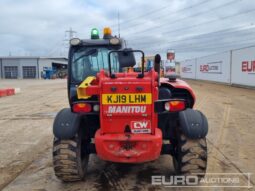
column 89, row 61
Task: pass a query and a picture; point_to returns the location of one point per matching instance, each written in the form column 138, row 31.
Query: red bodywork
column 179, row 84
column 128, row 131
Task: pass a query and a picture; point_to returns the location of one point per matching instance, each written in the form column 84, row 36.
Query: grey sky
column 191, row 27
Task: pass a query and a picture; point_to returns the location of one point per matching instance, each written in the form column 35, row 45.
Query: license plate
column 112, row 99
column 140, row 126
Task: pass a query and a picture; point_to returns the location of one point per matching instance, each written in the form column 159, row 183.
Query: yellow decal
column 110, row 99
column 81, row 90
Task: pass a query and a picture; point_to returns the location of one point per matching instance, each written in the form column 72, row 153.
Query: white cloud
column 30, row 27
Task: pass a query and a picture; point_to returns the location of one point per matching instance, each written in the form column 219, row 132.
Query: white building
column 28, row 67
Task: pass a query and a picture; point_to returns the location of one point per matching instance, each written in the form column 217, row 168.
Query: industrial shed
column 28, row 67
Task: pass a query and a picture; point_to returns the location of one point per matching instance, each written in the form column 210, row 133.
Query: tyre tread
column 192, row 156
column 65, row 160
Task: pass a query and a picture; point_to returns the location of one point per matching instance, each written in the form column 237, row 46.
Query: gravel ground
column 26, row 140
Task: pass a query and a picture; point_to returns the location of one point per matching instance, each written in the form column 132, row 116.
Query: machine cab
column 88, row 57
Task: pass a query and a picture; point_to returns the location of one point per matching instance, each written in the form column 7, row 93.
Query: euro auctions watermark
column 217, row 180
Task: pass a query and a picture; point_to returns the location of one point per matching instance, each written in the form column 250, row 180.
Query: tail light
column 82, row 107
column 175, row 105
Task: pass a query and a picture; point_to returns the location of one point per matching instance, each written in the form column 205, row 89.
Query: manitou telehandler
column 124, row 116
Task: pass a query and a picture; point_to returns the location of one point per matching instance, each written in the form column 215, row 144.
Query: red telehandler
column 124, row 117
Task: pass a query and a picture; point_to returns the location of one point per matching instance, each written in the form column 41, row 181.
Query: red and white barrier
column 9, row 91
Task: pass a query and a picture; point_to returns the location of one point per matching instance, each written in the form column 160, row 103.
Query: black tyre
column 70, row 159
column 190, row 156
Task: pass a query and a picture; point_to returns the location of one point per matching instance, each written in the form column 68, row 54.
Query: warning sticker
column 140, row 126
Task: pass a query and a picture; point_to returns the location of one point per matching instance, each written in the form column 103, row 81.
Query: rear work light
column 175, row 105
column 82, row 108
column 75, row 41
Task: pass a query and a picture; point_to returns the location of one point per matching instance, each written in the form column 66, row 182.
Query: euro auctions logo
column 210, row 180
column 186, row 69
column 212, row 67
column 248, row 67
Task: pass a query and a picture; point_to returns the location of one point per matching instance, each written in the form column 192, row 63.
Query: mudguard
column 66, row 124
column 193, row 124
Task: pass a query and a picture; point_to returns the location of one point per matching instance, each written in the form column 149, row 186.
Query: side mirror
column 126, row 58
